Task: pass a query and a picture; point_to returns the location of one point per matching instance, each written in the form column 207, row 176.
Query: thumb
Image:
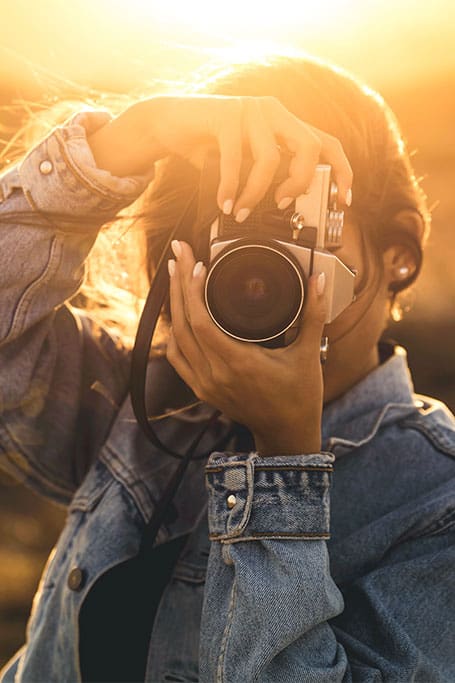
column 314, row 316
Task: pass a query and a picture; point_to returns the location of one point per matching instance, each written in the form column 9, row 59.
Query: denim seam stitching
column 76, row 171
column 226, row 634
column 241, row 525
column 432, row 434
column 89, row 184
column 137, row 490
column 264, row 535
column 440, row 525
column 339, row 441
column 52, row 264
column 265, row 468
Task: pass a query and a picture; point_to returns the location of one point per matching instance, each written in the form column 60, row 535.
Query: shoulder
column 435, row 424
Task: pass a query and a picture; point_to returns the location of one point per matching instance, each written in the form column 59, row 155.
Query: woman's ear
column 403, row 255
column 399, row 265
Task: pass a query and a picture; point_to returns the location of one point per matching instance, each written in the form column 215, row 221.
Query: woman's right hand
column 154, row 128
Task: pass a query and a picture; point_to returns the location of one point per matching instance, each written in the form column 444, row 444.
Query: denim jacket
column 334, row 566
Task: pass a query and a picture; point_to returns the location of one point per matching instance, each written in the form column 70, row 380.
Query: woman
column 239, row 586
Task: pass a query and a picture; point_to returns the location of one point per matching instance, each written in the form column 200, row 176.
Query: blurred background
column 54, row 49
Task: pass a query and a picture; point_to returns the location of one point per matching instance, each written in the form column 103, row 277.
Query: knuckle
column 171, row 353
column 271, row 102
column 334, row 144
column 179, row 329
column 199, row 392
column 315, row 144
column 221, row 379
column 203, row 389
column 270, row 157
column 198, row 324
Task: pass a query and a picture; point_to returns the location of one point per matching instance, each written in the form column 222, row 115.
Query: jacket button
column 231, row 501
column 76, row 579
column 46, row 167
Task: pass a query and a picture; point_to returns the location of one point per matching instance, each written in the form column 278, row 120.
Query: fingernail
column 197, row 268
column 227, row 206
column 242, row 215
column 176, row 248
column 320, row 284
column 349, row 197
column 171, row 267
column 285, row 202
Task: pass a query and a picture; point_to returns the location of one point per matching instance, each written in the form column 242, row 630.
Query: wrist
column 126, row 146
column 287, row 442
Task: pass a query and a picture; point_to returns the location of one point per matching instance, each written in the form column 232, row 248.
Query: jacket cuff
column 276, row 497
column 60, row 178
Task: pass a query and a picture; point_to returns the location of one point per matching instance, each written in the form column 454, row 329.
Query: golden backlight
column 122, row 43
column 239, row 17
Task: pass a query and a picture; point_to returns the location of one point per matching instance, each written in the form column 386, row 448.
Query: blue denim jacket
column 335, row 566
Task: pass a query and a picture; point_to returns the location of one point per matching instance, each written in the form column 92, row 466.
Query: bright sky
column 121, row 42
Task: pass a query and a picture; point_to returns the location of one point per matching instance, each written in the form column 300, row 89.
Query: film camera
column 258, row 270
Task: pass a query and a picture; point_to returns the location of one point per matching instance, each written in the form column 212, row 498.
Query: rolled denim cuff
column 60, row 178
column 276, row 497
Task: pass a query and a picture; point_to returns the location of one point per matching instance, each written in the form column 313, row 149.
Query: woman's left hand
column 276, row 393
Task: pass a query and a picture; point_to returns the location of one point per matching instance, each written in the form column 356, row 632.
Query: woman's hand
column 187, row 126
column 276, row 393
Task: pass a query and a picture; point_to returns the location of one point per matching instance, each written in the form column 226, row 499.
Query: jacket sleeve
column 51, row 208
column 272, row 611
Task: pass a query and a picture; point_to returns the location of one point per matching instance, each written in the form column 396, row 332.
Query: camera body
column 258, row 270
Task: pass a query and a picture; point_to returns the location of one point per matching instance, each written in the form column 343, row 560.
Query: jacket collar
column 383, row 397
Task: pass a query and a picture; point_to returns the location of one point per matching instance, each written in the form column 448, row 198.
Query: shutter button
column 231, row 501
column 46, row 167
column 76, row 579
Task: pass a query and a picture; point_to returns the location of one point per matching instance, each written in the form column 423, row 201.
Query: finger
column 230, row 146
column 332, row 153
column 306, row 148
column 186, row 261
column 301, row 140
column 181, row 328
column 314, row 316
column 266, row 159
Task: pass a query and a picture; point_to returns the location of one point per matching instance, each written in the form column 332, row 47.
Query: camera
column 258, row 270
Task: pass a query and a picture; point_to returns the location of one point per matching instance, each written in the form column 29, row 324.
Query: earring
column 403, row 272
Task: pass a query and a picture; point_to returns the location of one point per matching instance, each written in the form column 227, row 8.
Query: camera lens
column 254, row 292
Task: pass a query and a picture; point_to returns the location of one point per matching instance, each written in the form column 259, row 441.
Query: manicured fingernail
column 349, row 197
column 227, row 206
column 176, row 248
column 198, row 268
column 242, row 215
column 285, row 202
column 320, row 284
column 171, row 267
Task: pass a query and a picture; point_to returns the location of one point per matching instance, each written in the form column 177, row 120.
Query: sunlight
column 239, row 18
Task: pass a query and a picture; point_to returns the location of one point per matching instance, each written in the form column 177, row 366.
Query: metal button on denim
column 46, row 167
column 76, row 579
column 231, row 501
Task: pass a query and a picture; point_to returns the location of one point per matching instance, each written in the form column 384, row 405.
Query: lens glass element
column 254, row 292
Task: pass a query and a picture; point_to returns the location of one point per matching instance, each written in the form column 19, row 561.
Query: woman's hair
column 386, row 194
column 387, row 199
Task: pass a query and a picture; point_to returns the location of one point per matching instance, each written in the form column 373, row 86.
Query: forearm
column 53, row 204
column 126, row 145
column 269, row 592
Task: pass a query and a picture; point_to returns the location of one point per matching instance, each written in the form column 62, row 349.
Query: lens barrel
column 255, row 290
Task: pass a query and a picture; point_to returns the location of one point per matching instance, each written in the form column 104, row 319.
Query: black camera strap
column 159, row 290
column 156, row 297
